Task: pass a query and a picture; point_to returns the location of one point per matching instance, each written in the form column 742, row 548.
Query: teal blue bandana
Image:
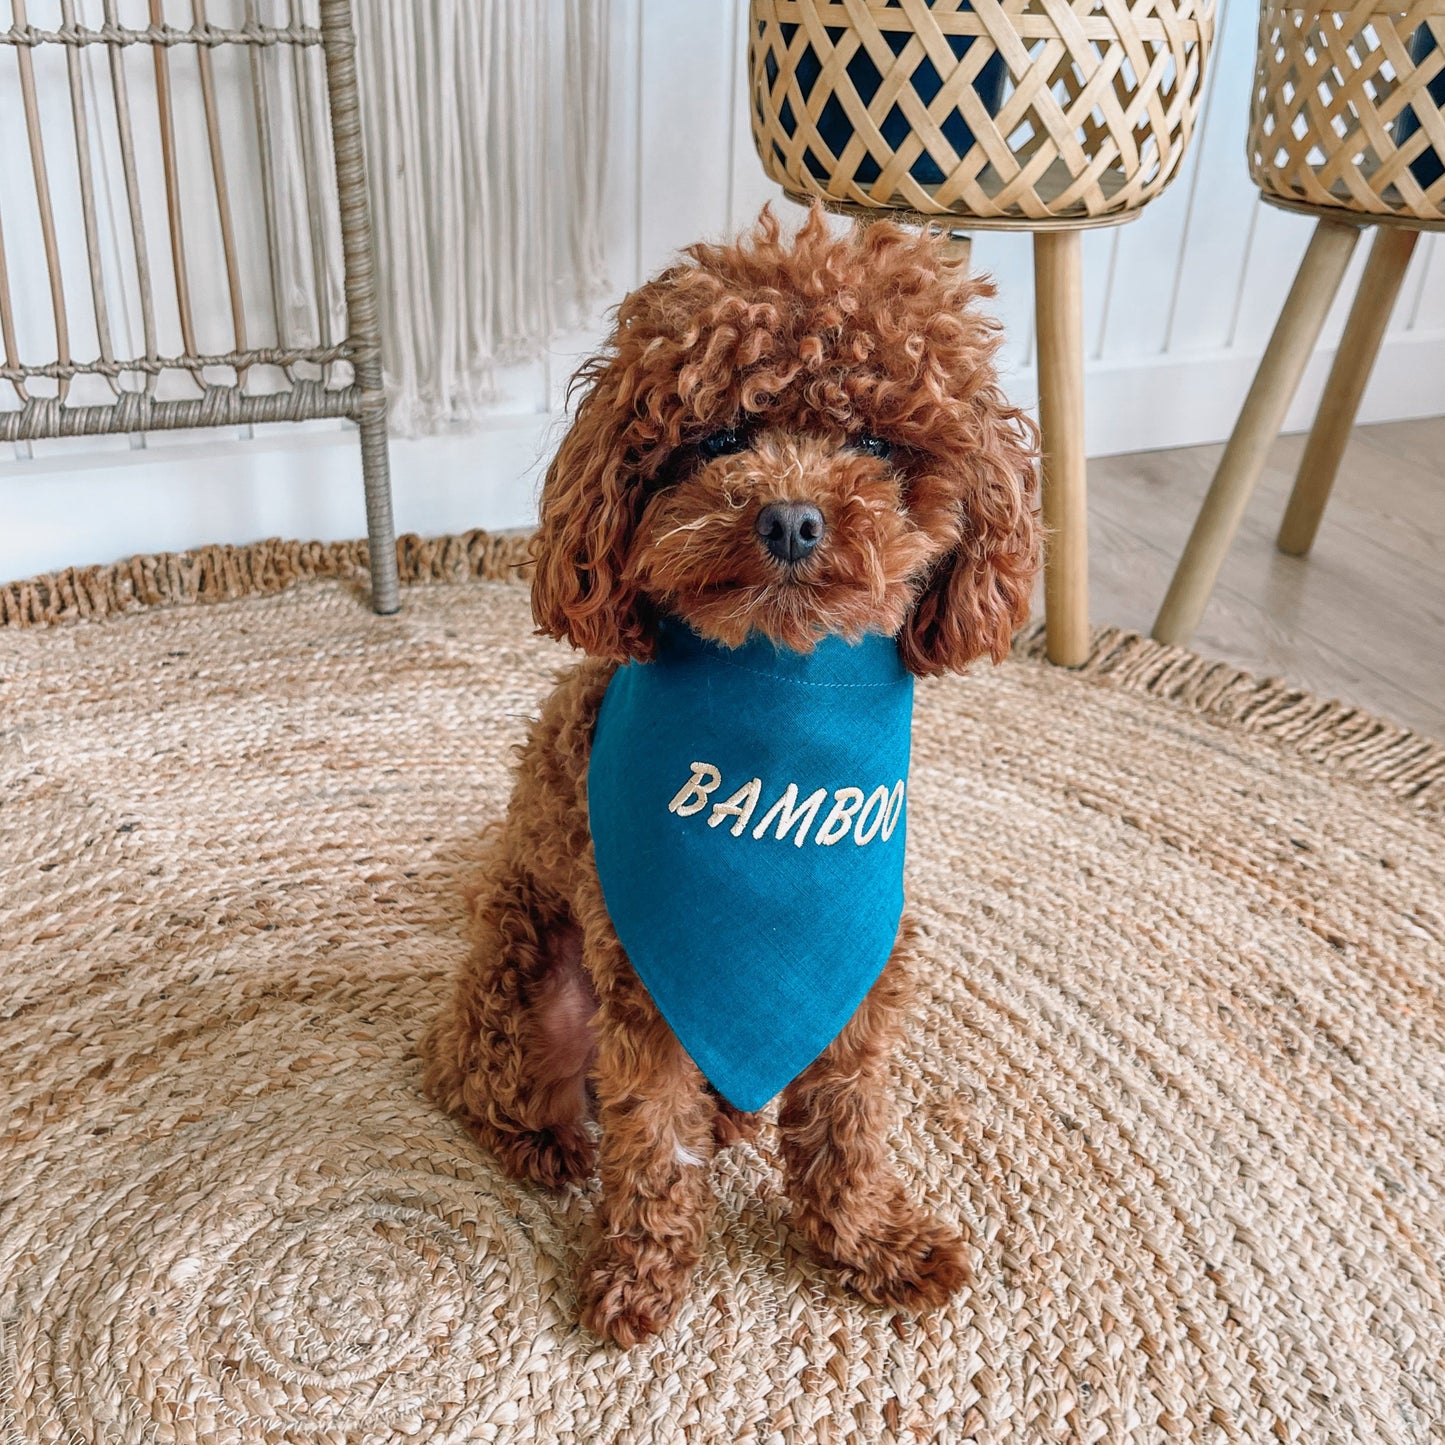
column 747, row 811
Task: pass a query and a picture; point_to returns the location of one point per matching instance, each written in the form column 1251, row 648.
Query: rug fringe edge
column 225, row 573
column 1344, row 738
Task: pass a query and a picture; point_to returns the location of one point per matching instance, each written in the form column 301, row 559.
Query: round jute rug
column 1178, row 1065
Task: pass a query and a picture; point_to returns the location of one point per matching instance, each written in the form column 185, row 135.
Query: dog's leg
column 657, row 1144
column 847, row 1201
column 731, row 1126
column 511, row 1052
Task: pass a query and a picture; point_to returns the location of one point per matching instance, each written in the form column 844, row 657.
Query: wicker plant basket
column 1069, row 112
column 1349, row 110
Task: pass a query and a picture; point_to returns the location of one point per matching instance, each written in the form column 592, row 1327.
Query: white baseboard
column 82, row 502
column 1182, row 399
column 81, row 508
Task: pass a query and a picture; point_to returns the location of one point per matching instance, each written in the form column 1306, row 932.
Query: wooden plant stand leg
column 1295, row 334
column 1365, row 330
column 1059, row 317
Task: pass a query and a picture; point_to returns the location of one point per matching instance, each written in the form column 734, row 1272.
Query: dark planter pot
column 1427, row 167
column 835, row 129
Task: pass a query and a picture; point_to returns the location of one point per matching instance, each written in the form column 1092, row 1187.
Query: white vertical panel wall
column 1179, row 305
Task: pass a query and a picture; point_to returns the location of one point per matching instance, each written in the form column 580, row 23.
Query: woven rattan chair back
column 1024, row 114
column 1348, row 112
column 299, row 69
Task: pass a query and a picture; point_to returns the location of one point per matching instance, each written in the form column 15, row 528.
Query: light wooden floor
column 1361, row 618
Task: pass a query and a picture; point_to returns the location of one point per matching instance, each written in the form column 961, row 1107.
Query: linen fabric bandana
column 747, row 812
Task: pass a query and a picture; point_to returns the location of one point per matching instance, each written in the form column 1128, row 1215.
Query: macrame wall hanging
column 486, row 127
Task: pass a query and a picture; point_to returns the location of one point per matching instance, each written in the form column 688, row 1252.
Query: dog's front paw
column 903, row 1258
column 563, row 1154
column 625, row 1302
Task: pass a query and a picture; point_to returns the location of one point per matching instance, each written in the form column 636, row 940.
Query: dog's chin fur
column 805, row 346
column 697, row 555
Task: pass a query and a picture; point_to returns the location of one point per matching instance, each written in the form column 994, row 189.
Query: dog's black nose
column 790, row 530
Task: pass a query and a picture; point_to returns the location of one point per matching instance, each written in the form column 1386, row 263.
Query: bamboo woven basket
column 1347, row 112
column 1071, row 112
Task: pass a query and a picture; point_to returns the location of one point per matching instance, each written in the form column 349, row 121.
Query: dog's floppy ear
column 978, row 594
column 590, row 505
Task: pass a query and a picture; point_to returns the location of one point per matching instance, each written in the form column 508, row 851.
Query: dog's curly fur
column 801, row 347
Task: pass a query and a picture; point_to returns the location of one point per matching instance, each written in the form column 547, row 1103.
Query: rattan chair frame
column 330, row 391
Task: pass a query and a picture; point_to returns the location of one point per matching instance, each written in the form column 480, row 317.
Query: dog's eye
column 723, row 443
column 873, row 446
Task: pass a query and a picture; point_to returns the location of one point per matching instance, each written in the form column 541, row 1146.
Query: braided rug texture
column 1178, row 1064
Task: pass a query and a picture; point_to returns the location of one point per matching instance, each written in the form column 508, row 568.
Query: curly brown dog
column 850, row 381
